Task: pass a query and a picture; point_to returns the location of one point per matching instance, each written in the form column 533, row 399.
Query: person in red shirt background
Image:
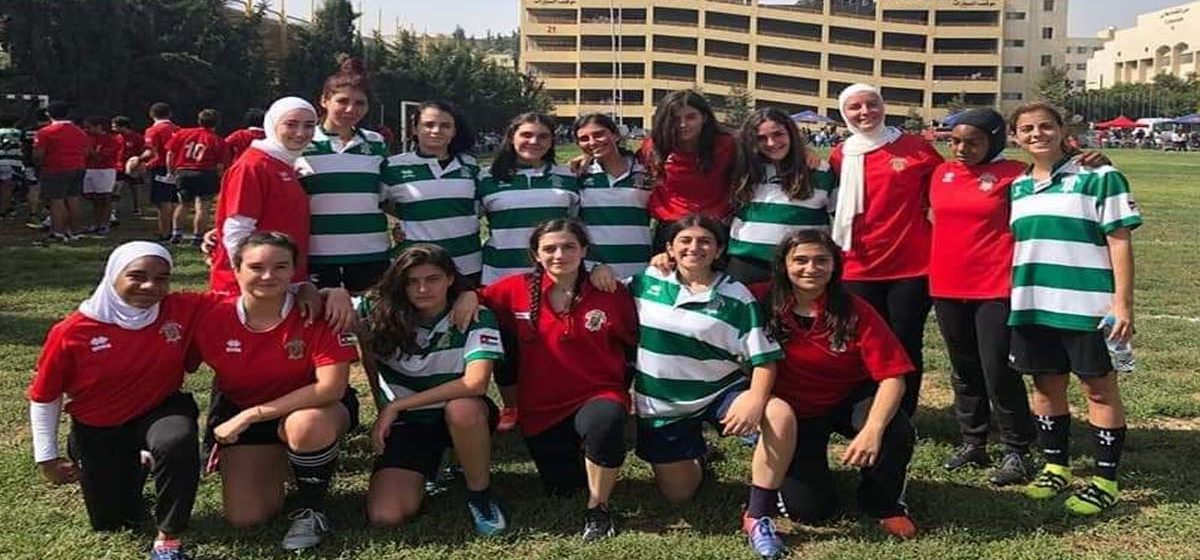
column 196, row 157
column 573, row 410
column 163, row 194
column 100, row 179
column 132, row 145
column 690, row 159
column 845, row 372
column 239, row 140
column 60, row 151
column 880, row 220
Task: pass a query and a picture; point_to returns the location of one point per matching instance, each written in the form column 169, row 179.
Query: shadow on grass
column 24, row 330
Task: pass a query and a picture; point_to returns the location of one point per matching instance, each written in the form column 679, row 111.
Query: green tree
column 314, row 49
column 913, row 121
column 738, row 106
column 1053, row 86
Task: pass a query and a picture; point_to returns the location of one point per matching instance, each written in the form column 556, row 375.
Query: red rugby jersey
column 198, row 149
column 156, row 137
column 682, row 188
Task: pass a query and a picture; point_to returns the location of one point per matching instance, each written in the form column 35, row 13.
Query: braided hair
column 534, row 279
column 838, row 318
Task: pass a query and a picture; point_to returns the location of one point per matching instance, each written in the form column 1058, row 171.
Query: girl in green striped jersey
column 1073, row 264
column 775, row 193
column 432, row 388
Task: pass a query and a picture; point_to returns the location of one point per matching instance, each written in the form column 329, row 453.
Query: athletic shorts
column 63, row 184
column 419, row 446
column 356, row 278
column 1038, row 350
column 193, row 184
column 99, row 181
column 9, row 173
column 162, row 192
column 267, row 431
column 683, row 439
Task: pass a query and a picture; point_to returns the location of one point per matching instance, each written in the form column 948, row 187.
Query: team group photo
column 693, row 279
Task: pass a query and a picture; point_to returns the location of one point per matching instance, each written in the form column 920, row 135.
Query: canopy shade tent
column 1193, row 118
column 1119, row 122
column 812, row 117
column 952, row 120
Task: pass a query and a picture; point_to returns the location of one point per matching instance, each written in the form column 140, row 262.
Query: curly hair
column 390, row 324
column 751, row 169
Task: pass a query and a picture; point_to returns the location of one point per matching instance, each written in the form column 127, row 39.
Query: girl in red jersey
column 880, row 220
column 281, row 393
column 843, row 371
column 970, row 280
column 573, row 410
column 120, row 360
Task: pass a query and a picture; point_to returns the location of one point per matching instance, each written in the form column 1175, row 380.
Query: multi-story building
column 1163, row 41
column 1079, row 51
column 624, row 55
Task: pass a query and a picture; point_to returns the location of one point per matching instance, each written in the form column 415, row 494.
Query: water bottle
column 1121, row 352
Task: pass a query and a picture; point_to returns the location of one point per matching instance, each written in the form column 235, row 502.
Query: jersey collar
column 435, row 166
column 595, row 168
column 1068, row 165
column 335, row 141
column 288, row 302
column 686, row 296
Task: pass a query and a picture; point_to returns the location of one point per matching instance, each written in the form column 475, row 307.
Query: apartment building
column 622, row 56
column 1079, row 51
column 1162, row 41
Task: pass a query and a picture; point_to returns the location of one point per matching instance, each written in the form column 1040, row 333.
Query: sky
column 477, row 17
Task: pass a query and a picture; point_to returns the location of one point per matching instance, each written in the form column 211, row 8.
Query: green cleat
column 1052, row 481
column 1099, row 495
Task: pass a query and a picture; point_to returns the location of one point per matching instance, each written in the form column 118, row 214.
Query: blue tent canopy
column 812, row 117
column 952, row 120
column 1193, row 118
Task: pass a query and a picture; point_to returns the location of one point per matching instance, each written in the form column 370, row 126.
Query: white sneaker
column 308, row 528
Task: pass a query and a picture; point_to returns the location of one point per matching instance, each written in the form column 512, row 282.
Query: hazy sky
column 478, row 16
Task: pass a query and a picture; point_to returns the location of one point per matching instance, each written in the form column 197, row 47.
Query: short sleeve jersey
column 683, row 187
column 438, row 204
column 197, row 149
column 12, row 155
column 771, row 214
column 156, row 138
column 266, row 189
column 105, row 152
column 442, row 355
column 239, row 140
column 514, row 207
column 343, row 183
column 113, row 375
column 1062, row 275
column 132, row 144
column 971, row 254
column 257, row 367
column 814, row 375
column 891, row 235
column 614, row 209
column 65, row 147
column 693, row 347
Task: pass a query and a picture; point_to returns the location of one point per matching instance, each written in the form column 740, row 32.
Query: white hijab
column 106, row 306
column 852, row 176
column 271, row 144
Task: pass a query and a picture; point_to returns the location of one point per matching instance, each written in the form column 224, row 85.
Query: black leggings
column 904, row 304
column 111, row 474
column 986, row 389
column 595, row 431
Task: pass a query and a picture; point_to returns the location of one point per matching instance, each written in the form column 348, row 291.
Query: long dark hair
column 463, row 136
column 716, row 228
column 391, row 322
column 665, row 133
column 506, row 158
column 534, row 279
column 792, row 171
column 838, row 318
column 606, row 122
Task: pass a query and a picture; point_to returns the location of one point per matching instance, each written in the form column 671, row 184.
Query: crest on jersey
column 285, row 175
column 948, row 177
column 406, row 173
column 100, row 343
column 899, row 164
column 347, row 339
column 172, row 332
column 987, row 182
column 639, row 181
column 233, row 346
column 556, row 182
column 443, row 341
column 594, row 320
column 1133, row 205
column 295, row 348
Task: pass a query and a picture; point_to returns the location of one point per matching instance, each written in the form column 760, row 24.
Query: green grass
column 959, row 515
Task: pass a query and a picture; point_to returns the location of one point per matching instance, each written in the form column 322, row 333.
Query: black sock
column 1109, row 444
column 481, row 499
column 763, row 503
column 1054, row 434
column 313, row 471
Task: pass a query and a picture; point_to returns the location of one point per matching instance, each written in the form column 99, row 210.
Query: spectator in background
column 196, row 157
column 100, row 178
column 60, row 150
column 240, row 139
column 12, row 165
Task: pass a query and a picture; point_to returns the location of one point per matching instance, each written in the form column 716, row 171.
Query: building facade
column 1079, row 52
column 1164, row 41
column 622, row 56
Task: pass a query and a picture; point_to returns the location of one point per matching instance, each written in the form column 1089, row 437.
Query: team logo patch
column 285, row 176
column 443, row 341
column 654, row 290
column 347, row 339
column 172, row 332
column 948, row 177
column 1133, row 205
column 407, row 173
column 987, row 182
column 100, row 343
column 556, row 182
column 899, row 164
column 233, row 346
column 594, row 320
column 714, row 307
column 488, row 340
column 295, row 349
column 639, row 181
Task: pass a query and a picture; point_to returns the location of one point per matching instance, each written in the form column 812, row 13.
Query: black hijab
column 992, row 124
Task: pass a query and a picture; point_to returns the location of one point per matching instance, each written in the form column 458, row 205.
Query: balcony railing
column 784, row 89
column 964, row 51
column 852, row 42
column 851, row 70
column 971, row 78
column 785, row 62
column 675, row 77
column 729, row 55
column 674, row 50
column 904, row 75
column 906, row 21
column 536, row 48
column 725, row 27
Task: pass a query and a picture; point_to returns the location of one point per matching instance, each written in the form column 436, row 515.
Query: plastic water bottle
column 1121, row 352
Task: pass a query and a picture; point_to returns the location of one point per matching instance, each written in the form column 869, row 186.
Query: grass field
column 960, row 517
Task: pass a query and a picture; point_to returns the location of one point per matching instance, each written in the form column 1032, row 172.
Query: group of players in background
column 713, row 276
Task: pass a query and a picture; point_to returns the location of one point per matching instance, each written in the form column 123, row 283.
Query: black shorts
column 64, row 184
column 419, row 446
column 160, row 192
column 1038, row 350
column 683, row 439
column 267, row 431
column 356, row 278
column 193, row 184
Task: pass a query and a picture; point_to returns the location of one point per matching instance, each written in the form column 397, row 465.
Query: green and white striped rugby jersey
column 693, row 347
column 515, row 207
column 760, row 225
column 1062, row 273
column 343, row 185
column 614, row 209
column 438, row 205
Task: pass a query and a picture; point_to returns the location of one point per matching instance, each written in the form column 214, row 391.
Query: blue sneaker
column 168, row 554
column 488, row 524
column 763, row 538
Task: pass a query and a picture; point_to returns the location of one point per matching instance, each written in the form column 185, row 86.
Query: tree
column 913, row 121
column 1053, row 85
column 739, row 104
column 957, row 104
column 313, row 52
